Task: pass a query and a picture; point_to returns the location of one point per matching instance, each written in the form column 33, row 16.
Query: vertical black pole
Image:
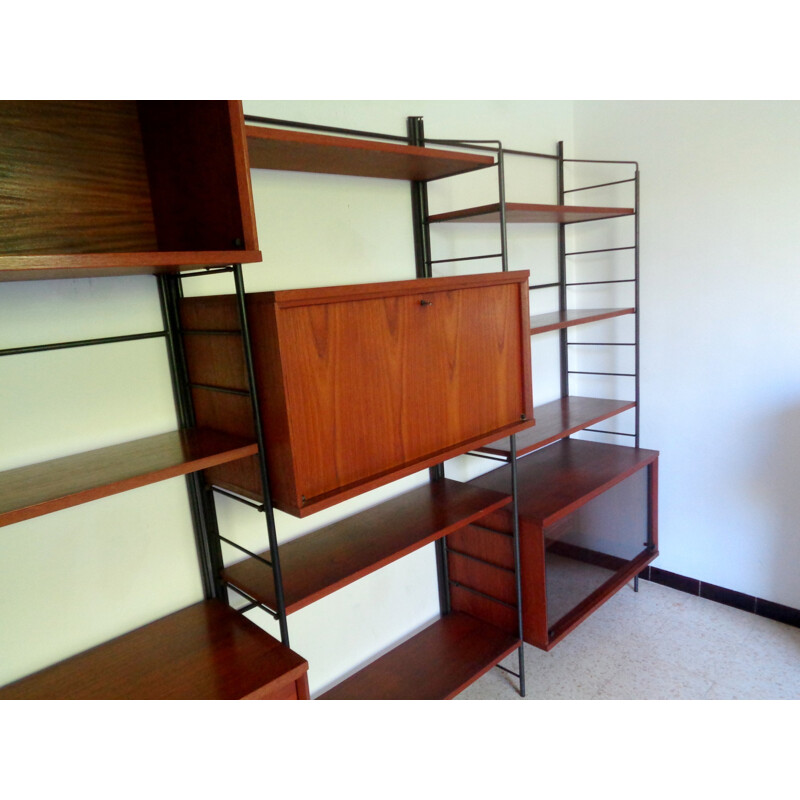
column 501, row 190
column 422, row 253
column 562, row 278
column 269, row 513
column 419, row 205
column 636, row 301
column 201, row 501
column 518, row 576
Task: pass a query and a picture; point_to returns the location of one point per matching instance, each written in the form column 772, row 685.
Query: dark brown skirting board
column 728, row 597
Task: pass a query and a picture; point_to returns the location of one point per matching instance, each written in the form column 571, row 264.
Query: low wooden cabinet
column 361, row 385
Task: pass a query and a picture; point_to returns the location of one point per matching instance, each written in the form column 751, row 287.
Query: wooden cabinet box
column 115, row 187
column 588, row 517
column 360, row 385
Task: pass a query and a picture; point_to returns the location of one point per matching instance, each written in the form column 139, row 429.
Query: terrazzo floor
column 658, row 644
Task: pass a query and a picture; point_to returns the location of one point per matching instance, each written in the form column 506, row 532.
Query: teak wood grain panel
column 96, row 188
column 363, row 384
column 204, row 652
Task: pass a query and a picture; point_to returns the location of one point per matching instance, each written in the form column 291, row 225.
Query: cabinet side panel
column 192, row 169
column 73, row 179
column 270, row 365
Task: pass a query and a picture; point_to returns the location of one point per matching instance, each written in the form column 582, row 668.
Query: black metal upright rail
column 496, row 147
column 201, row 495
column 565, row 284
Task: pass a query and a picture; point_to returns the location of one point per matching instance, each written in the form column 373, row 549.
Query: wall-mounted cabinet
column 362, row 385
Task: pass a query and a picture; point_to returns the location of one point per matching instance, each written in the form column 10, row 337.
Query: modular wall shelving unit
column 102, row 189
column 587, row 509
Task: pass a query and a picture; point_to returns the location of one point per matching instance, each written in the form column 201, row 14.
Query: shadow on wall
column 778, row 471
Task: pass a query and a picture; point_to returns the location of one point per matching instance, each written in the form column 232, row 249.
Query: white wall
column 78, row 577
column 720, row 254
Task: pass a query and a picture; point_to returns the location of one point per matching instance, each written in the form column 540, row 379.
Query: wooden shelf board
column 559, row 419
column 318, row 563
column 436, row 664
column 542, row 323
column 557, row 479
column 37, row 489
column 274, row 148
column 531, row 212
column 204, row 652
column 103, row 265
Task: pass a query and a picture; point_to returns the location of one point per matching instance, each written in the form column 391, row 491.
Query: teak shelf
column 555, row 320
column 559, row 419
column 204, row 652
column 105, row 188
column 531, row 212
column 436, row 664
column 276, row 148
column 363, row 384
column 318, row 563
column 30, row 491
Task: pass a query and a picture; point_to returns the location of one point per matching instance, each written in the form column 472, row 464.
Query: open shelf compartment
column 37, row 489
column 318, row 563
column 204, row 652
column 436, row 664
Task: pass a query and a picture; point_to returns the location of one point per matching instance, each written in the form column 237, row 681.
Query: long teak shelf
column 276, row 148
column 30, row 491
column 555, row 320
column 321, row 562
column 436, row 664
column 531, row 212
column 204, row 652
column 559, row 419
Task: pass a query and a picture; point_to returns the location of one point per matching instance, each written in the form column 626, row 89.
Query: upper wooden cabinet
column 99, row 188
column 360, row 385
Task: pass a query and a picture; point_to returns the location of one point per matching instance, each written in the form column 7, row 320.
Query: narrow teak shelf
column 36, row 489
column 436, row 664
column 275, row 148
column 554, row 320
column 318, row 563
column 204, row 652
column 531, row 212
column 559, row 419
